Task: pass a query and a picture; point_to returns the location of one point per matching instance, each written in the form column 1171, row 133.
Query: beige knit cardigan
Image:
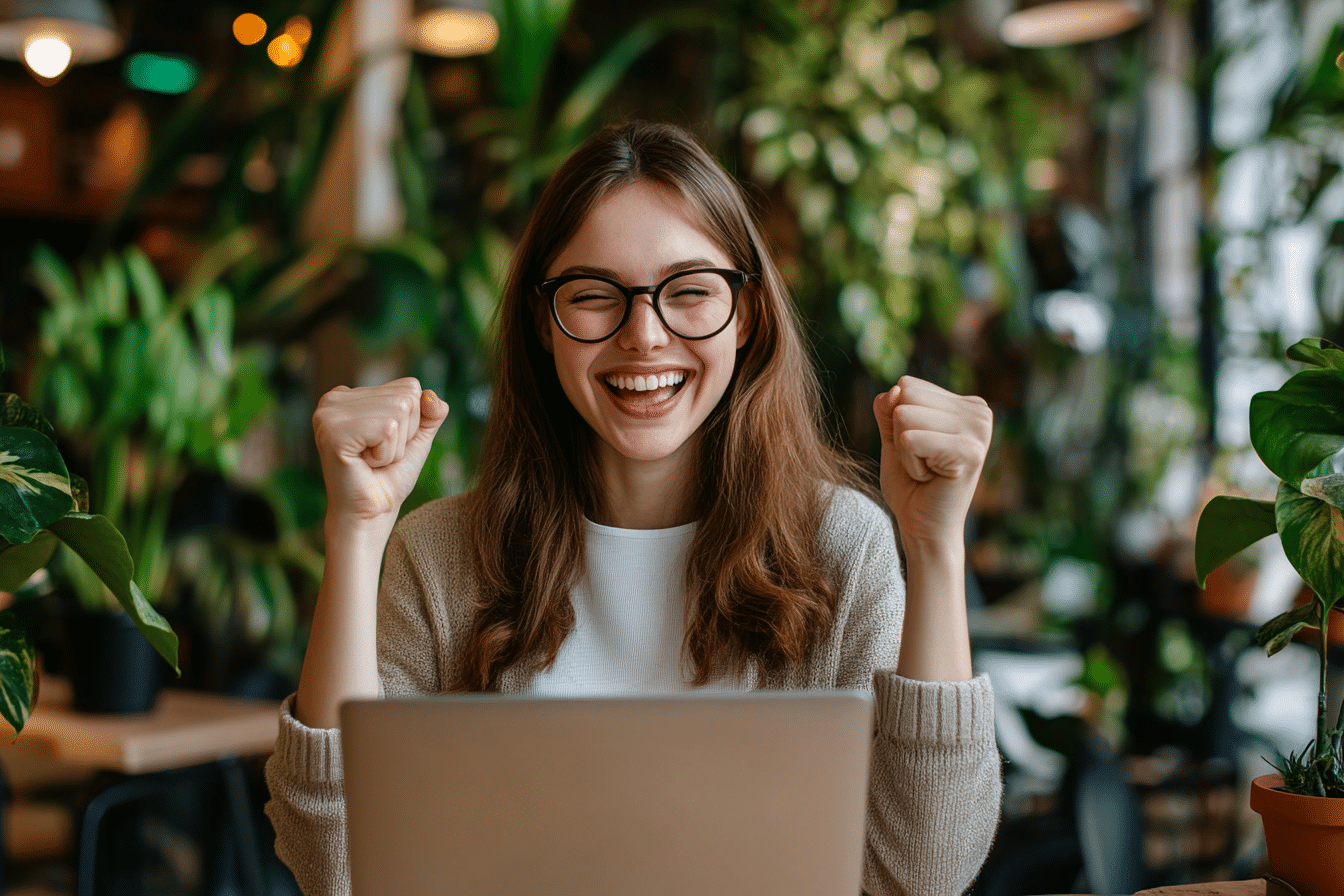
column 935, row 783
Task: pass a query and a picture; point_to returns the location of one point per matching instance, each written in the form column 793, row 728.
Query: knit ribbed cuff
column 310, row 754
column 934, row 712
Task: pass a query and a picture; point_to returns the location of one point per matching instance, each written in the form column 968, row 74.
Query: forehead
column 641, row 226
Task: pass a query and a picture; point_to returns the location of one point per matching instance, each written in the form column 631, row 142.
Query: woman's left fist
column 934, row 444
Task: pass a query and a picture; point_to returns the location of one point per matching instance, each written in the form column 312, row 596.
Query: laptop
column 702, row 793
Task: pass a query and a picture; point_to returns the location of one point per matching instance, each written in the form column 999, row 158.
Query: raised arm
column 372, row 442
column 934, row 444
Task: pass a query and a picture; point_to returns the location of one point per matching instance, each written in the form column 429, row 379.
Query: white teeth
column 645, row 383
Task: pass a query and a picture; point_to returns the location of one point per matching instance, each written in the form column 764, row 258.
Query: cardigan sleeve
column 305, row 774
column 935, row 786
column 307, row 805
column 935, row 779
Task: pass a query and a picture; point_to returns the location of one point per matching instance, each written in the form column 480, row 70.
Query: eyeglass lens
column 693, row 305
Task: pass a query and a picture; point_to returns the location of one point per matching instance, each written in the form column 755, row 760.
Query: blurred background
column 1109, row 223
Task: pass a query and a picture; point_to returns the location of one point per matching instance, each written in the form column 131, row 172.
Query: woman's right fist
column 373, row 442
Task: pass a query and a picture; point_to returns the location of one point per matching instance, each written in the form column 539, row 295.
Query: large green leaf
column 34, row 484
column 18, row 668
column 127, row 380
column 1313, row 538
column 148, row 287
column 1275, row 634
column 1318, row 353
column 528, row 31
column 18, row 562
column 1300, row 424
column 101, row 546
column 1226, row 528
column 212, row 315
column 55, row 279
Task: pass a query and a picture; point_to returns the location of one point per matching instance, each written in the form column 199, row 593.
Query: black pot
column 111, row 667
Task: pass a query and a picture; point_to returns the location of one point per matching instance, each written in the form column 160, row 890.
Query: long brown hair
column 756, row 588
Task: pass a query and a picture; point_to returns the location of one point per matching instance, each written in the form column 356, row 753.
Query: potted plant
column 142, row 386
column 43, row 506
column 1298, row 431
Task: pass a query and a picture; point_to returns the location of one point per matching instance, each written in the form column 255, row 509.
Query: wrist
column 346, row 528
column 948, row 550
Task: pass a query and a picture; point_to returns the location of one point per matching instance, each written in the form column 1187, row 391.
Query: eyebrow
column 667, row 271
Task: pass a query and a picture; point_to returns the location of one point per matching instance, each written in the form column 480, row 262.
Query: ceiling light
column 456, row 28
column 49, row 36
column 1060, row 22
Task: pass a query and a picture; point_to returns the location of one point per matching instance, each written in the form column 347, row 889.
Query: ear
column 541, row 319
column 746, row 314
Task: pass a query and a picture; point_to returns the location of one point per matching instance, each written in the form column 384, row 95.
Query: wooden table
column 185, row 728
column 187, row 734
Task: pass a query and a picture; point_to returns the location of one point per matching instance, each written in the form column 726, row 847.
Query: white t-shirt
column 629, row 616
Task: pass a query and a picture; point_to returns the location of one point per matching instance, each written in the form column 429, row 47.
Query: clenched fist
column 373, row 442
column 934, row 444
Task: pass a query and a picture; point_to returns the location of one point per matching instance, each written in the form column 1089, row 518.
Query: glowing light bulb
column 47, row 55
column 249, row 28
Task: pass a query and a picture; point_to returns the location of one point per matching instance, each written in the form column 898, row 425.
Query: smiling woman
column 658, row 510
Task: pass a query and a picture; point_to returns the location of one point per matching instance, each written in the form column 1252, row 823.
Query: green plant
column 1298, row 431
column 41, row 507
column 144, row 386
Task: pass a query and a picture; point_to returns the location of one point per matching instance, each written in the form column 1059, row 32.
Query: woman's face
column 637, row 236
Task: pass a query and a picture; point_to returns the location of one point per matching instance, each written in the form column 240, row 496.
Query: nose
column 643, row 330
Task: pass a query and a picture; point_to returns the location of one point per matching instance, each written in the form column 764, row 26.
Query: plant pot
column 111, row 667
column 1304, row 836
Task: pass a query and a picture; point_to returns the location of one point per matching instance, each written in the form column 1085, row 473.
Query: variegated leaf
column 1275, row 634
column 1326, row 481
column 1312, row 532
column 18, row 668
column 34, row 484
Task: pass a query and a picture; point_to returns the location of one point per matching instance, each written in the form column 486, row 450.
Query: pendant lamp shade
column 453, row 28
column 1056, row 23
column 48, row 36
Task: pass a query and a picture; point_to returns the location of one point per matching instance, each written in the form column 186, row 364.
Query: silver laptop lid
column 703, row 793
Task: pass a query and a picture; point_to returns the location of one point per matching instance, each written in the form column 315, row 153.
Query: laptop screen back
column 703, row 793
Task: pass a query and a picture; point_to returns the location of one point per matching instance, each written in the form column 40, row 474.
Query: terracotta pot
column 1304, row 836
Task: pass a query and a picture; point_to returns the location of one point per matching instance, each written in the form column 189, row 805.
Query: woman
column 657, row 510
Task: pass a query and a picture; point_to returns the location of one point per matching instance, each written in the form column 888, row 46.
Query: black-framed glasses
column 695, row 304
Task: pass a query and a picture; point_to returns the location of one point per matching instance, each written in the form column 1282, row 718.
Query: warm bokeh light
column 285, row 51
column 299, row 28
column 1043, row 174
column 47, row 55
column 454, row 32
column 249, row 28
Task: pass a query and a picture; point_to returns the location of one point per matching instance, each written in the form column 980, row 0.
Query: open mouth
column 646, row 390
